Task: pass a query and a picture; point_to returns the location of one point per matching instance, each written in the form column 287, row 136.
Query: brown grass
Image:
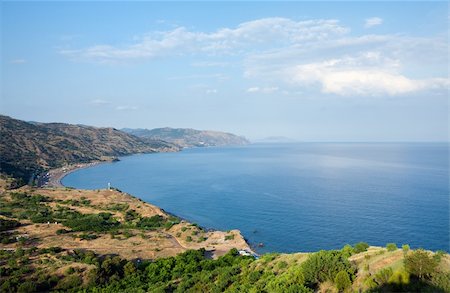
column 144, row 244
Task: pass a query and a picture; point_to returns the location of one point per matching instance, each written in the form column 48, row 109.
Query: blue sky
column 312, row 71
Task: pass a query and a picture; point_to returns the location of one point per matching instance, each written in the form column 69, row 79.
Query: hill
column 186, row 137
column 28, row 149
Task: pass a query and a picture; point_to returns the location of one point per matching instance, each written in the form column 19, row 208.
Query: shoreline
column 54, row 177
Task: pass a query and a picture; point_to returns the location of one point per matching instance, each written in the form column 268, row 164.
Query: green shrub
column 441, row 280
column 348, row 250
column 188, row 238
column 342, row 281
column 151, row 223
column 8, row 224
column 229, row 237
column 361, row 247
column 324, row 265
column 391, row 247
column 101, row 222
column 69, row 282
column 26, row 287
column 383, row 276
column 405, row 248
column 420, row 263
column 399, row 277
column 282, row 264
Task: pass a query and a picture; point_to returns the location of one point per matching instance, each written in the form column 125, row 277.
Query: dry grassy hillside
column 29, row 148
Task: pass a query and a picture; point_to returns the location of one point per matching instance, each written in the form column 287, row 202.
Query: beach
column 54, row 177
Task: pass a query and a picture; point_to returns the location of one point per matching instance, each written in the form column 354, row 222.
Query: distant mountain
column 186, row 137
column 29, row 148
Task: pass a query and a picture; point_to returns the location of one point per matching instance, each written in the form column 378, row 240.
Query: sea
column 296, row 197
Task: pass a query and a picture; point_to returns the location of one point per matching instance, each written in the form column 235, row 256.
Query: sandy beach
column 54, row 177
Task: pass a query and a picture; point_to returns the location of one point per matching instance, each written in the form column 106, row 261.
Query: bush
column 383, row 276
column 348, row 250
column 26, row 287
column 405, row 248
column 8, row 224
column 420, row 263
column 361, row 247
column 400, row 277
column 151, row 223
column 94, row 223
column 342, row 281
column 324, row 265
column 441, row 280
column 391, row 246
column 72, row 281
column 229, row 237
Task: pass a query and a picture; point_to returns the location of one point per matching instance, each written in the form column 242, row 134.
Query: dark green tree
column 420, row 263
column 342, row 281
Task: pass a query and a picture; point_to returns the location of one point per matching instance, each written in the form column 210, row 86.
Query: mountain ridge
column 30, row 148
column 188, row 137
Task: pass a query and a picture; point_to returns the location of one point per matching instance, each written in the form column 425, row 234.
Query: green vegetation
column 6, row 224
column 342, row 281
column 420, row 263
column 361, row 247
column 325, row 265
column 391, row 247
column 193, row 272
column 229, row 237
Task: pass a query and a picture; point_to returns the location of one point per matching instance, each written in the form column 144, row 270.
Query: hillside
column 186, row 137
column 69, row 240
column 29, row 148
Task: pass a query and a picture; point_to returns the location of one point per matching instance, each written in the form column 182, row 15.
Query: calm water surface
column 296, row 197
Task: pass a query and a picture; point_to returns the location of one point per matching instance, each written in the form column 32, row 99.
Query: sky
column 310, row 71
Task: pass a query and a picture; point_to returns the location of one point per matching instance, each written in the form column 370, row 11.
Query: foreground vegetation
column 29, row 270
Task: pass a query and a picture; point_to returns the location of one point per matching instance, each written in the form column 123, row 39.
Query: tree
column 420, row 263
column 405, row 248
column 342, row 281
column 391, row 246
column 383, row 276
column 347, row 250
column 361, row 247
column 324, row 265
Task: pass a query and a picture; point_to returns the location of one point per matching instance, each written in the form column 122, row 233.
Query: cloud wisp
column 179, row 41
column 373, row 21
column 319, row 53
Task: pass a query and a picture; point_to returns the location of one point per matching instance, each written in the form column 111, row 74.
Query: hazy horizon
column 322, row 71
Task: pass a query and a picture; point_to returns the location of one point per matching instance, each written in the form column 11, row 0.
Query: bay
column 297, row 196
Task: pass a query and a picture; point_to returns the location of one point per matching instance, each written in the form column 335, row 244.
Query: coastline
column 54, row 177
column 53, row 180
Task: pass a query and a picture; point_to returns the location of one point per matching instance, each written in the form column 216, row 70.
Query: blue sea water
column 296, row 197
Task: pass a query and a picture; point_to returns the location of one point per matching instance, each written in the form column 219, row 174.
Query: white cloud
column 210, row 64
column 99, row 102
column 261, row 32
column 18, row 61
column 365, row 75
column 373, row 21
column 126, row 108
column 263, row 90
